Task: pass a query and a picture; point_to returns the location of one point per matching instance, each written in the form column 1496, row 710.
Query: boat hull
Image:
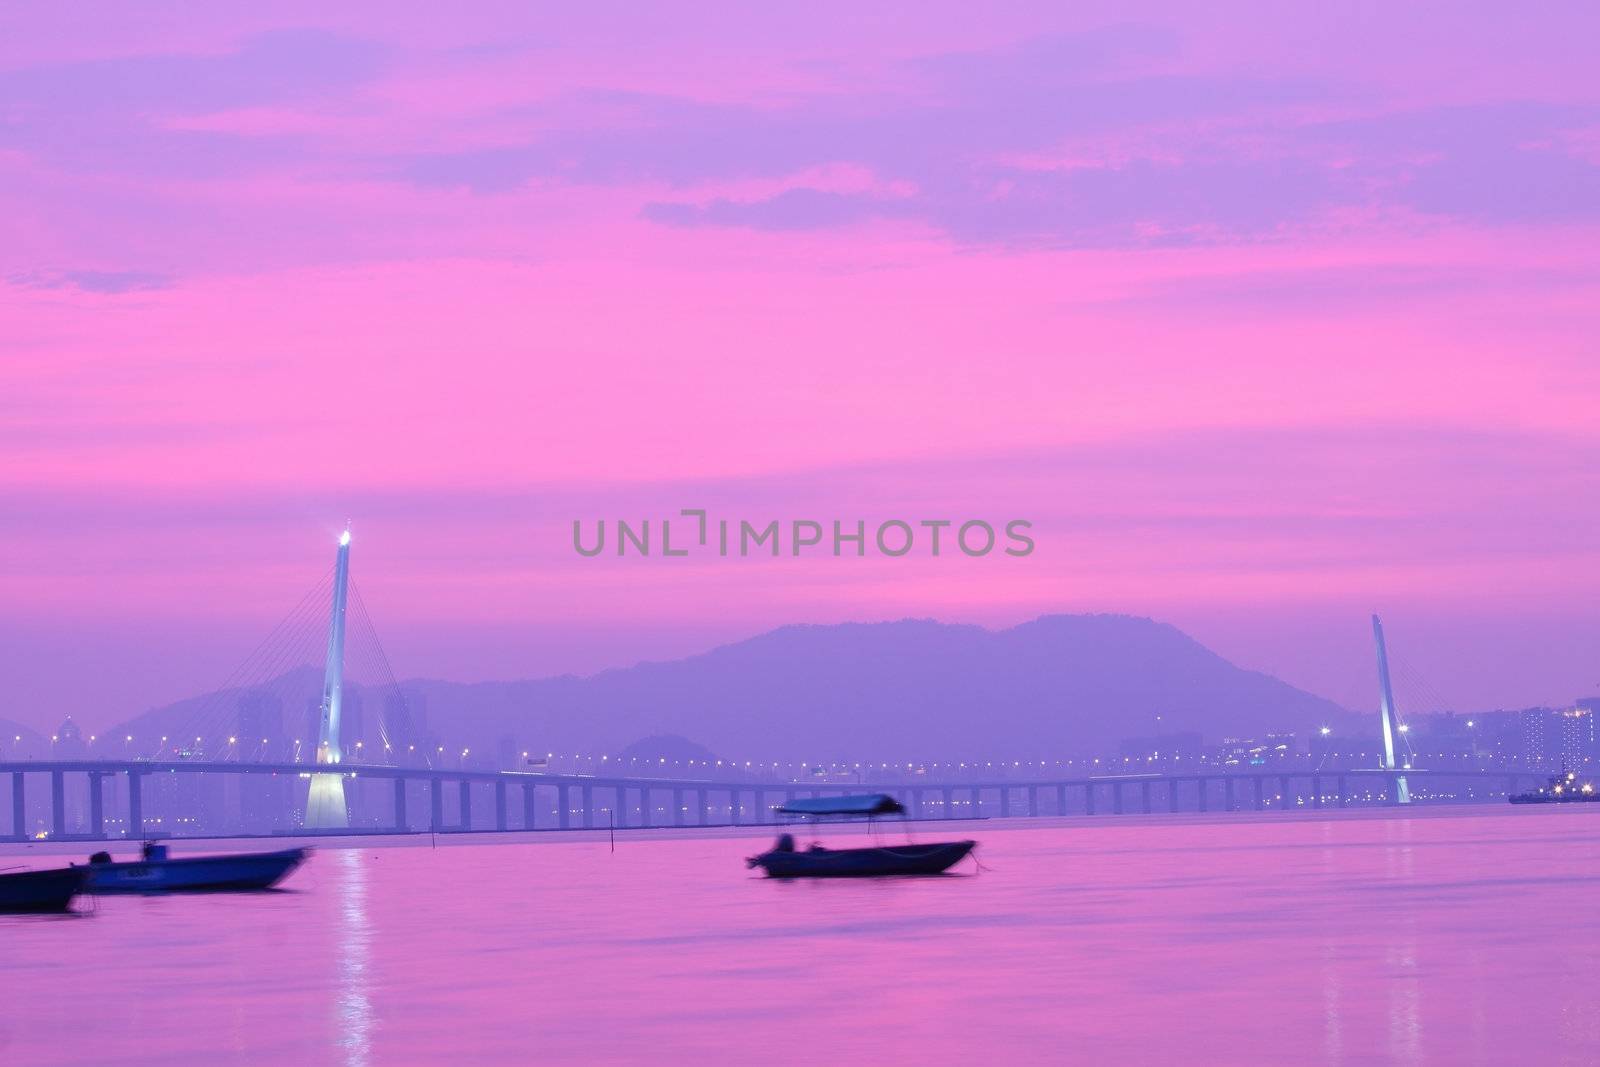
column 196, row 874
column 863, row 862
column 40, row 891
column 1545, row 798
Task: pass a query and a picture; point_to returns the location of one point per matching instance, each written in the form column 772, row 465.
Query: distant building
column 1187, row 745
column 352, row 723
column 68, row 742
column 1576, row 727
column 260, row 726
column 405, row 720
column 1445, row 735
column 264, row 801
column 1559, row 737
column 1536, row 746
column 1253, row 752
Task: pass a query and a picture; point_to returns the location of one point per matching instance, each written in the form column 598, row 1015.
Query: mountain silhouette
column 1060, row 685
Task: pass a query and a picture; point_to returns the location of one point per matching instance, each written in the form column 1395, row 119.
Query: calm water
column 1447, row 937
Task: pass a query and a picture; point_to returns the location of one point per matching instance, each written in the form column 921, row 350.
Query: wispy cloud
column 113, row 115
column 109, row 282
column 1064, row 140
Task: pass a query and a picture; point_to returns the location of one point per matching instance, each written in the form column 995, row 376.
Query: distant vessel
column 1560, row 789
column 156, row 872
column 40, row 891
column 783, row 860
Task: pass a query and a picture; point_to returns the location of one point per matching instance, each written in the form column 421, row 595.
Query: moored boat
column 784, row 860
column 40, row 891
column 157, row 872
column 1561, row 788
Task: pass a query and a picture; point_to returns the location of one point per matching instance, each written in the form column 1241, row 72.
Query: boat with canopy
column 157, row 872
column 784, row 860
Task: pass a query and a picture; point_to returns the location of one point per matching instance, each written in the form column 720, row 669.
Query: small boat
column 783, row 860
column 40, row 891
column 1561, row 788
column 156, row 872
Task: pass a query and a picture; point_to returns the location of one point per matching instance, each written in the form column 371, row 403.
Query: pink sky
column 1266, row 319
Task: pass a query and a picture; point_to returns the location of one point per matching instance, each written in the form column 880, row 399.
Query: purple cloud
column 91, row 281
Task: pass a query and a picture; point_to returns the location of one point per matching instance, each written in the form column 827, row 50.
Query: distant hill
column 915, row 689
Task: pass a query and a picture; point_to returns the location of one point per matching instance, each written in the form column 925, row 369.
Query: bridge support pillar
column 1116, row 798
column 97, row 804
column 530, row 807
column 677, row 807
column 646, row 815
column 435, row 805
column 1172, row 795
column 500, row 804
column 563, row 807
column 1227, row 793
column 135, row 804
column 19, row 806
column 948, row 799
column 1203, row 800
column 1005, row 802
column 586, row 802
column 464, row 791
column 1033, row 801
column 1088, row 799
column 1344, row 790
column 702, row 801
column 1061, row 800
column 58, row 804
column 1283, row 787
column 1261, row 800
column 735, row 811
column 619, row 806
column 401, row 824
column 1316, row 792
column 977, row 802
column 1144, row 789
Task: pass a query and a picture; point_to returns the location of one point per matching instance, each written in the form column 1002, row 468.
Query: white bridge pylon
column 1402, row 792
column 326, row 808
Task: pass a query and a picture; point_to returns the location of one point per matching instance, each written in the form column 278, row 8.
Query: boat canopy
column 869, row 804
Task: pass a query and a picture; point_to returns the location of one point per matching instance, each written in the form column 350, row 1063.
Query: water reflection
column 1353, row 939
column 353, row 1017
column 1398, row 923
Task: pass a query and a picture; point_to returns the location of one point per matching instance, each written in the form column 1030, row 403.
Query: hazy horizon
column 685, row 645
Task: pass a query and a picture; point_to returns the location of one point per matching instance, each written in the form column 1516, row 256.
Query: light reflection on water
column 1445, row 936
column 353, row 1015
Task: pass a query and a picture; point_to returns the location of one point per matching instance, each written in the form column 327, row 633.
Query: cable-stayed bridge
column 421, row 800
column 330, row 780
